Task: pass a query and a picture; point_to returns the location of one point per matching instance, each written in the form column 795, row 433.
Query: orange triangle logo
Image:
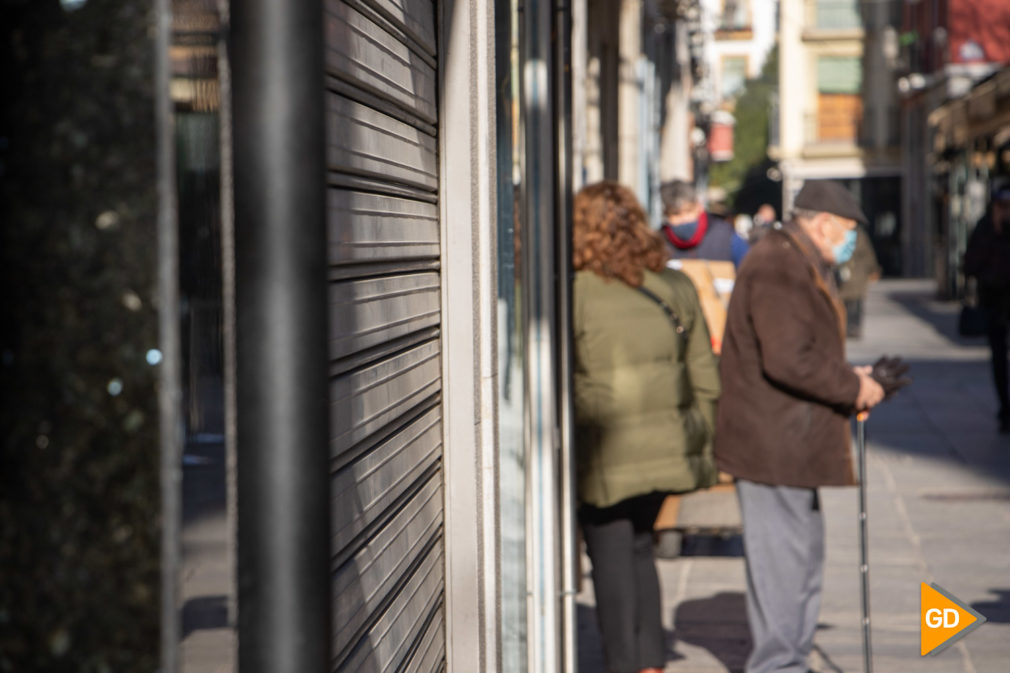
column 943, row 619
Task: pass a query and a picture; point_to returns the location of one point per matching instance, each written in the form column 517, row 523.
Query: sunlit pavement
column 939, row 511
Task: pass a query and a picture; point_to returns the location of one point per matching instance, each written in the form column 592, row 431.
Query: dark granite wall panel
column 79, row 493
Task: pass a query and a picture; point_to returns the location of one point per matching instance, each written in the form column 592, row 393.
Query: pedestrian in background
column 743, row 224
column 764, row 220
column 783, row 421
column 646, row 384
column 693, row 233
column 854, row 278
column 705, row 247
column 987, row 259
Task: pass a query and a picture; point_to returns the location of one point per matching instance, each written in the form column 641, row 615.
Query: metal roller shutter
column 385, row 347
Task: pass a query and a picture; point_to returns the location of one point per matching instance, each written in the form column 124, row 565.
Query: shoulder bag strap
column 678, row 326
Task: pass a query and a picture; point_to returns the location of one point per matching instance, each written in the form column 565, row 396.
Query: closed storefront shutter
column 385, row 345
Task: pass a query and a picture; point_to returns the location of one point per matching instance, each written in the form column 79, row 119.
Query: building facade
column 740, row 34
column 635, row 64
column 945, row 48
column 969, row 152
column 838, row 108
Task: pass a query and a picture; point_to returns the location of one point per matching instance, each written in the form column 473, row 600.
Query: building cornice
column 810, row 34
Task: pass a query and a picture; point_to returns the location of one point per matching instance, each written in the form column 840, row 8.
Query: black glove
column 890, row 373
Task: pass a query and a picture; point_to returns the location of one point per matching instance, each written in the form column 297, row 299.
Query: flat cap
column 828, row 196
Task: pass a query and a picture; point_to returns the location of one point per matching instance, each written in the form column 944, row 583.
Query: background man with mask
column 705, row 247
column 854, row 279
column 987, row 258
column 691, row 232
column 783, row 418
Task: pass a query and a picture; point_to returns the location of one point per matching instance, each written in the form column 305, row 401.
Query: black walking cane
column 864, row 566
column 890, row 373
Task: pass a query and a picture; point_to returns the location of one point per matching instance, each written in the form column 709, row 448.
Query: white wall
column 793, row 77
column 629, row 94
column 468, row 203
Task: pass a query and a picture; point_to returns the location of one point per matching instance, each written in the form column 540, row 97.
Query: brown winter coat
column 787, row 390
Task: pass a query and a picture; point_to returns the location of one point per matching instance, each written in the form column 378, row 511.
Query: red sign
column 979, row 31
column 720, row 136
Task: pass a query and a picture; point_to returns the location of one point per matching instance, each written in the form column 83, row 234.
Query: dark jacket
column 855, row 274
column 720, row 241
column 787, row 390
column 987, row 258
column 644, row 397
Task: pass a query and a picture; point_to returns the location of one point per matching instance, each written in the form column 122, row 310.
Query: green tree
column 742, row 176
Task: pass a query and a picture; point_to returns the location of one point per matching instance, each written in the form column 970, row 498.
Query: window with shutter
column 839, row 98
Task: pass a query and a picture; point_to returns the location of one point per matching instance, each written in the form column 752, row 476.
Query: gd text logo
column 943, row 619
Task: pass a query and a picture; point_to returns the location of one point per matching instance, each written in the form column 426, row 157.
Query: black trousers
column 997, row 333
column 619, row 540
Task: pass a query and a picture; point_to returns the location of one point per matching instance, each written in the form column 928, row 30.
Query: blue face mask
column 843, row 251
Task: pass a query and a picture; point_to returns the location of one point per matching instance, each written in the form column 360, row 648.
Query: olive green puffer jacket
column 645, row 397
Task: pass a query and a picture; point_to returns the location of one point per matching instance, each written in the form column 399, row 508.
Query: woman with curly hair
column 646, row 385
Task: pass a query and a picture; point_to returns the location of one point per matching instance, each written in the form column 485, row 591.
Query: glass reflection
column 206, row 591
column 510, row 364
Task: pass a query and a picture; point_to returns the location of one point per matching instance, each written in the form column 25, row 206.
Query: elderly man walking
column 783, row 419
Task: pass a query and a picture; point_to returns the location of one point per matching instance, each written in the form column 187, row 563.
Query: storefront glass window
column 510, row 360
column 205, row 577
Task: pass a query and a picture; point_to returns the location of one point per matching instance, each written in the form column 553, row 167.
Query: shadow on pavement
column 718, row 624
column 204, row 612
column 590, row 658
column 941, row 316
column 947, row 414
column 713, row 544
column 204, row 490
column 997, row 611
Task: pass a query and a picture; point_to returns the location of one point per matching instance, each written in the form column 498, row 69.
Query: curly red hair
column 611, row 236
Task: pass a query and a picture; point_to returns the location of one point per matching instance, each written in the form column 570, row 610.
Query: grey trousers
column 783, row 534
